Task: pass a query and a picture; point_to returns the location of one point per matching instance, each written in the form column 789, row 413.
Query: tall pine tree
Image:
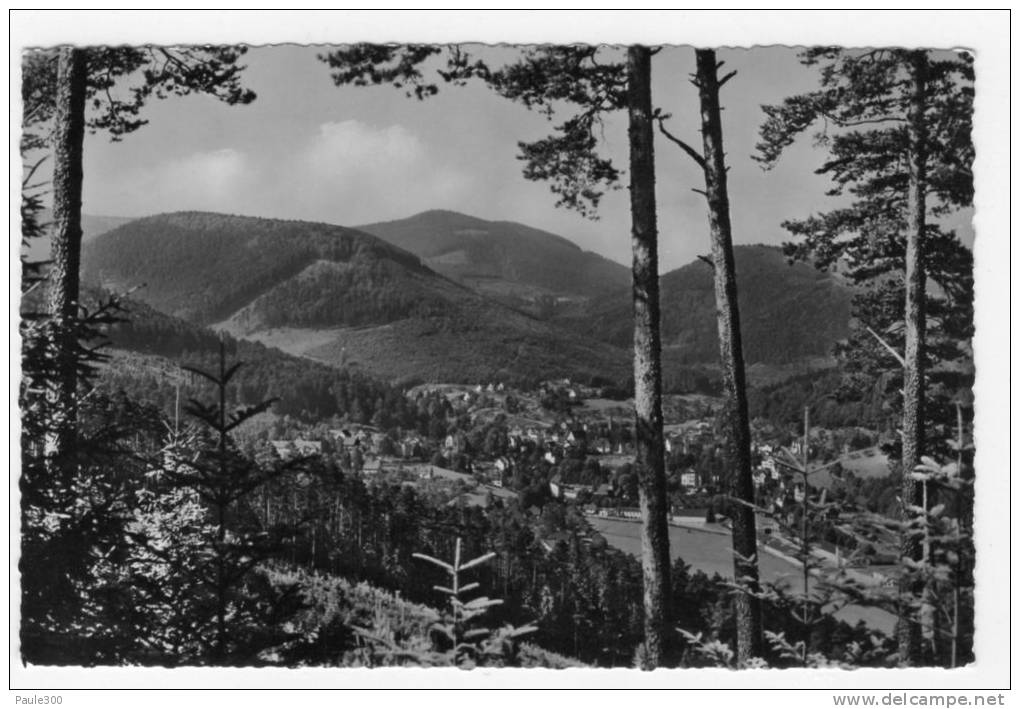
column 897, row 127
column 68, row 137
column 72, row 507
column 712, row 161
column 65, row 92
column 591, row 85
column 650, row 451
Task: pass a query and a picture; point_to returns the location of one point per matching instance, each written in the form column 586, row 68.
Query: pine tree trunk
column 63, row 283
column 738, row 439
column 650, row 450
column 909, row 632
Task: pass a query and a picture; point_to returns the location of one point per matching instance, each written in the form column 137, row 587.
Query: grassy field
column 712, row 553
column 292, row 340
column 609, row 406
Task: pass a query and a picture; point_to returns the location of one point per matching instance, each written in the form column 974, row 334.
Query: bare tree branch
column 887, row 346
column 694, row 154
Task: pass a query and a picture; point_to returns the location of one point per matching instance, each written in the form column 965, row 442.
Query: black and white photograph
column 371, row 353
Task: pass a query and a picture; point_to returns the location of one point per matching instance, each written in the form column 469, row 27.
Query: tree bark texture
column 738, row 439
column 909, row 632
column 650, row 458
column 63, row 283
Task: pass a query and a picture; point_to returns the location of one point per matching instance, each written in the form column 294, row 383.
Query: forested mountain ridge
column 788, row 312
column 205, row 266
column 337, row 295
column 502, row 258
column 348, row 298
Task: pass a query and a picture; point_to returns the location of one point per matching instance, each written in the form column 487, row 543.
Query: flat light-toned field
column 609, row 405
column 712, row 553
column 874, row 464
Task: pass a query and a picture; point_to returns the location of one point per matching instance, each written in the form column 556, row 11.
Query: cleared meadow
column 711, row 552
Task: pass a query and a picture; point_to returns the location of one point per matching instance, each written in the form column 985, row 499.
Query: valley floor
column 709, row 550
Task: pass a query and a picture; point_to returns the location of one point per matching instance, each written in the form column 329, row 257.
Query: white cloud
column 216, row 174
column 214, row 180
column 351, row 149
column 346, row 172
column 351, row 173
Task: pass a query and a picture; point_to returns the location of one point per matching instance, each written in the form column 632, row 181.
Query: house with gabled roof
column 305, row 447
column 284, row 449
column 550, row 541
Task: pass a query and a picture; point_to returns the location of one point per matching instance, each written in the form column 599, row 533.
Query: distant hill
column 503, row 259
column 204, row 267
column 789, row 314
column 343, row 296
column 92, row 225
column 337, row 295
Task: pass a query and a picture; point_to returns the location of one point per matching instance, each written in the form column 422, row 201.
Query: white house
column 304, row 447
column 284, row 449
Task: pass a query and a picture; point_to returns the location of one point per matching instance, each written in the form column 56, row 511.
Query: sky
column 306, row 149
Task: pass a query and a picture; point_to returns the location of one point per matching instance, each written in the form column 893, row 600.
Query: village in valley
column 565, row 442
